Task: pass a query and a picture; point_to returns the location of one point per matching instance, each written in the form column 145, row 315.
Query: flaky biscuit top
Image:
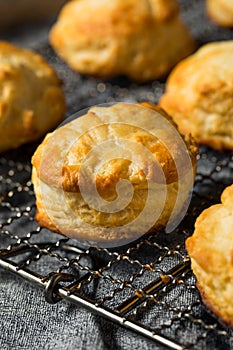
column 60, row 157
column 140, row 39
column 211, row 252
column 31, row 98
column 199, row 92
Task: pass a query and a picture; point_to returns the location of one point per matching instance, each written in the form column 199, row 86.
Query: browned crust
column 220, row 12
column 199, row 95
column 25, row 79
column 226, row 321
column 211, row 251
column 69, row 174
column 58, row 193
column 121, row 39
column 44, row 220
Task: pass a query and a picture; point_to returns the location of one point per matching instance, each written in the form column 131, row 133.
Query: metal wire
column 146, row 286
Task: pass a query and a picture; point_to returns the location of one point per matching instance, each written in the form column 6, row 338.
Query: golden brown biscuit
column 199, row 95
column 140, row 39
column 211, row 252
column 220, row 11
column 31, row 99
column 113, row 174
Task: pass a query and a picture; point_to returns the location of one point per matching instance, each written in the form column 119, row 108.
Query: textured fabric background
column 27, row 321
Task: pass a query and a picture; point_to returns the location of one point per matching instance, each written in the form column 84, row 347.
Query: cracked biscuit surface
column 31, row 98
column 140, row 39
column 96, row 175
column 211, row 252
column 199, row 95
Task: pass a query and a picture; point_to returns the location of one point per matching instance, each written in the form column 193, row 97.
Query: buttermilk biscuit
column 140, row 39
column 31, row 99
column 199, row 95
column 113, row 174
column 220, row 11
column 211, row 252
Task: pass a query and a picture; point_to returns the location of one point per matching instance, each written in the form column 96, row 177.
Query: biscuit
column 113, row 174
column 211, row 252
column 199, row 94
column 220, row 11
column 139, row 39
column 31, row 98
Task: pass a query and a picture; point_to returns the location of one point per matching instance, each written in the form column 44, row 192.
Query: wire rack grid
column 147, row 286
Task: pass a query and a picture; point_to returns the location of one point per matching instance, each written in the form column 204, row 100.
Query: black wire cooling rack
column 146, row 286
